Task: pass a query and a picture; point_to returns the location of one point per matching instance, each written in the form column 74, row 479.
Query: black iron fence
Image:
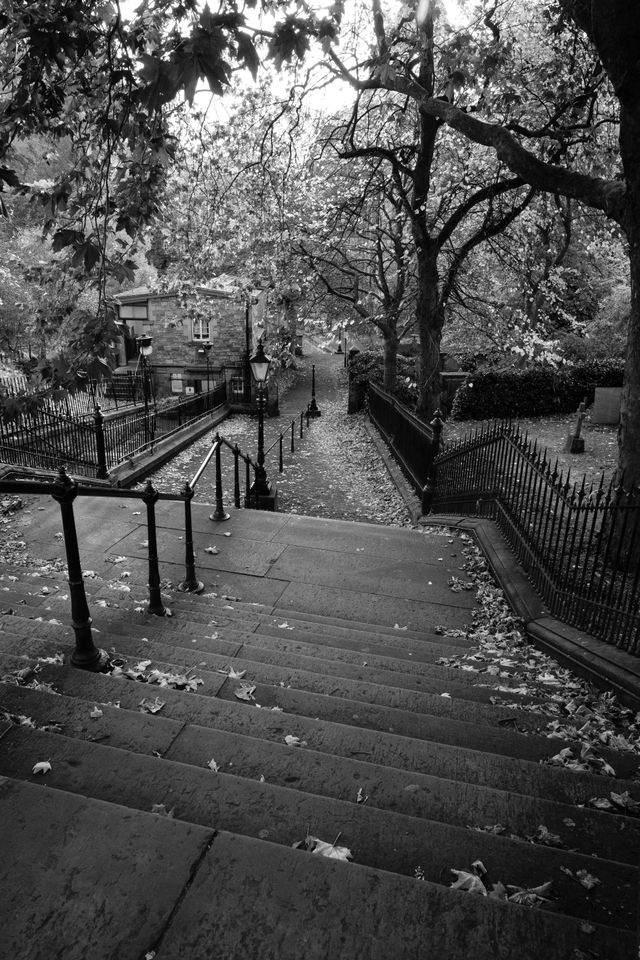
column 46, row 440
column 413, row 442
column 92, row 445
column 128, row 433
column 578, row 542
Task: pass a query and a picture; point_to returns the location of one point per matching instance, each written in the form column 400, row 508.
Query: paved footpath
column 335, row 471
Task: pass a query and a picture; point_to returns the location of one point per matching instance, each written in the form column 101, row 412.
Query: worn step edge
column 326, row 908
column 166, row 657
column 380, row 839
column 383, row 733
column 419, row 795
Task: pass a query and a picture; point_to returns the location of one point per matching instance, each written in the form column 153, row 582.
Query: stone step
column 14, row 588
column 380, row 839
column 276, row 651
column 365, row 687
column 305, row 906
column 445, row 748
column 473, row 805
column 279, row 636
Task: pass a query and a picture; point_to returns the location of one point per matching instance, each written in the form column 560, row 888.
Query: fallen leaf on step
column 284, row 626
column 226, row 534
column 468, row 882
column 361, row 798
column 544, row 835
column 397, row 626
column 43, row 766
column 213, row 766
column 95, row 713
column 587, row 879
column 626, row 801
column 213, row 550
column 529, row 896
column 447, row 695
column 323, row 849
column 143, row 665
column 151, row 706
column 162, row 811
column 244, row 692
column 292, row 741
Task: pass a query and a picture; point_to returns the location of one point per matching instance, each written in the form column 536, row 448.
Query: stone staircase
column 165, row 825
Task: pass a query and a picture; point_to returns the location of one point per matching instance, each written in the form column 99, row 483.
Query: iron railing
column 91, row 445
column 414, row 443
column 579, row 543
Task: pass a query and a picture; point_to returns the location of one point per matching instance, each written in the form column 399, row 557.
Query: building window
column 200, row 328
column 237, row 387
column 176, row 383
column 133, row 311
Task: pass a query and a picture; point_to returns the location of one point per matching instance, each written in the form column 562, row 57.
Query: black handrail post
column 293, row 442
column 101, row 472
column 281, row 459
column 301, row 427
column 86, row 655
column 190, row 584
column 150, row 496
column 314, row 410
column 218, row 513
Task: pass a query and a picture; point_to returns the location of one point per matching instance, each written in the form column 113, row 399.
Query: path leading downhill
column 335, row 471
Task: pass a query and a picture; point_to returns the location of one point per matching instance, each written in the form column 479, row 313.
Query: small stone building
column 182, row 325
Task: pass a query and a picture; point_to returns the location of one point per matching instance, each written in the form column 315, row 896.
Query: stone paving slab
column 94, row 880
column 314, row 908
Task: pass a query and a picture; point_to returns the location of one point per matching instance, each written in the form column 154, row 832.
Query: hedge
column 535, row 392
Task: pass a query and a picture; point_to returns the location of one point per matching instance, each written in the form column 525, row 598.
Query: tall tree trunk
column 629, row 433
column 430, row 320
column 390, row 362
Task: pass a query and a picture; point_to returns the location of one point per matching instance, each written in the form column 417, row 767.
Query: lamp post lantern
column 145, row 349
column 205, row 350
column 261, row 494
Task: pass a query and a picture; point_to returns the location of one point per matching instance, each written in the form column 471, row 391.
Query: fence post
column 218, row 513
column 150, row 497
column 190, row 584
column 86, row 655
column 281, row 460
column 429, row 488
column 98, row 418
column 293, row 442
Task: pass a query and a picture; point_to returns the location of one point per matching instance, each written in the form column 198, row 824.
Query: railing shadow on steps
column 65, row 490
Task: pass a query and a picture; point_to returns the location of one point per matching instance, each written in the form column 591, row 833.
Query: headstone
column 575, row 443
column 606, row 405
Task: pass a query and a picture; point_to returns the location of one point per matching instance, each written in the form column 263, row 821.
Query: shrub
column 368, row 365
column 535, row 392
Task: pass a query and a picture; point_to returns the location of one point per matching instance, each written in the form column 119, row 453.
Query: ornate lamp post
column 262, row 496
column 205, row 350
column 314, row 410
column 145, row 349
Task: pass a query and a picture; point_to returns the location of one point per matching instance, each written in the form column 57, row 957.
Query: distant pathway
column 335, row 471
